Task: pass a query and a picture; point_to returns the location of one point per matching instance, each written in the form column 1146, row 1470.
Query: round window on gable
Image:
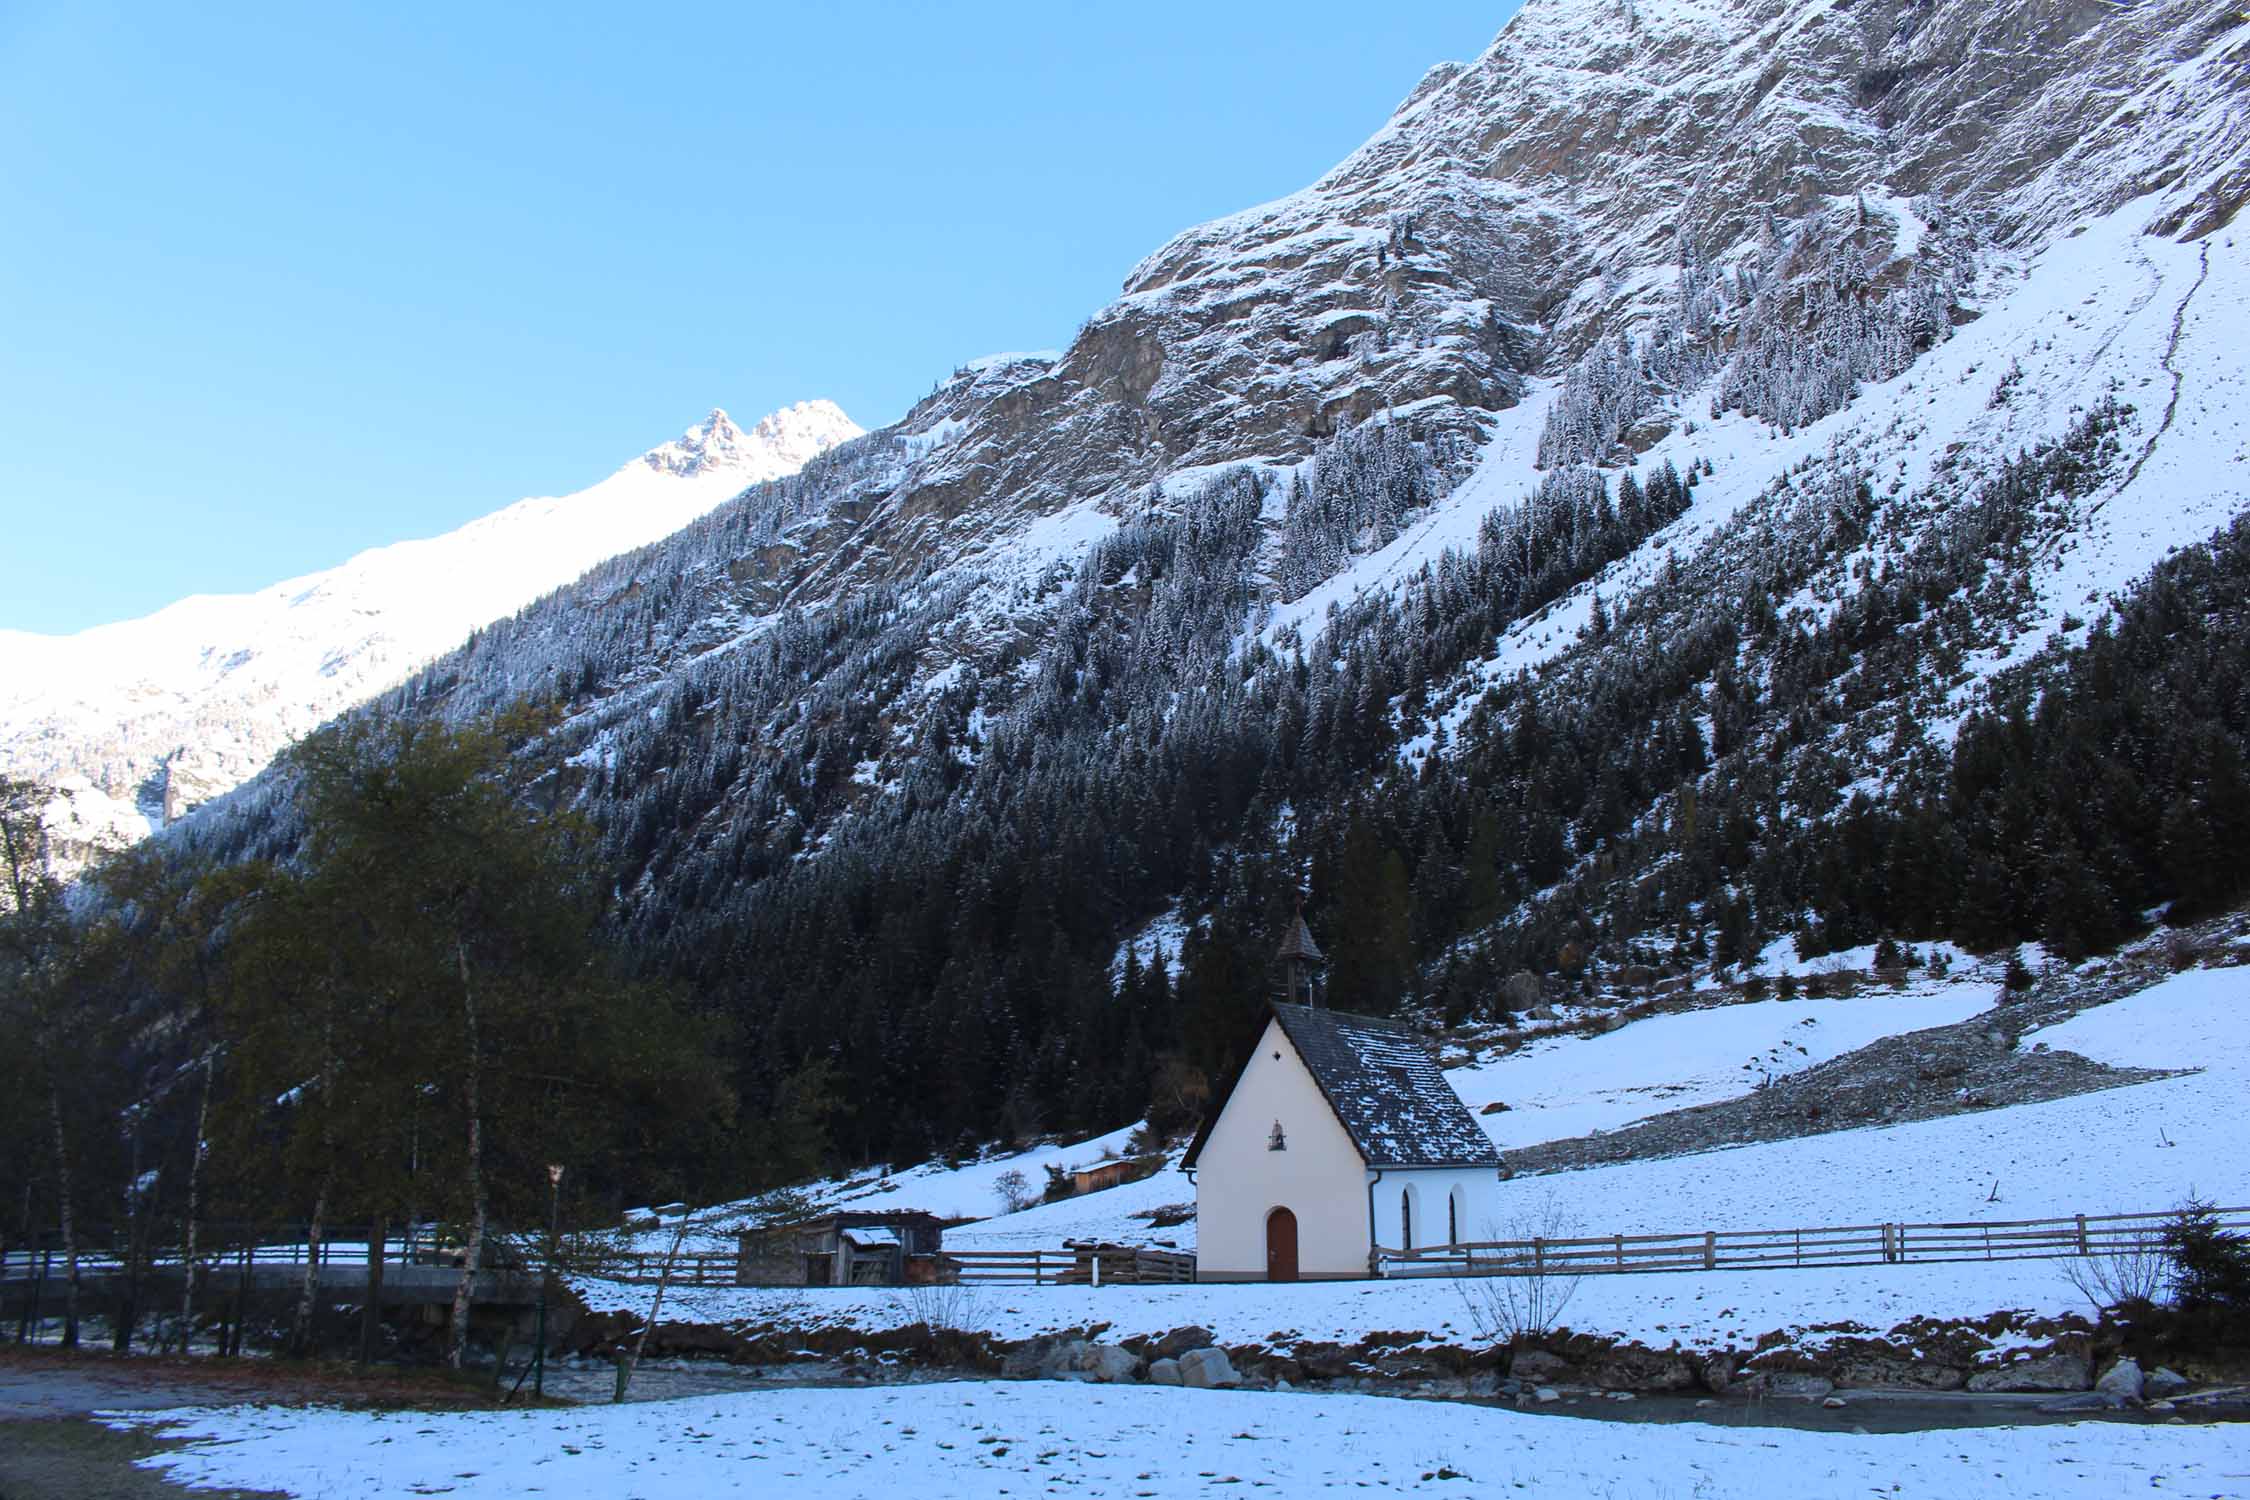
column 1277, row 1141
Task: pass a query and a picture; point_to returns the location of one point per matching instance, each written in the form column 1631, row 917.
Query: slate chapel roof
column 1385, row 1088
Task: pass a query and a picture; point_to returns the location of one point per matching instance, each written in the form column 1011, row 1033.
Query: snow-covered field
column 1564, row 1086
column 983, row 1438
column 2143, row 1147
column 970, row 1190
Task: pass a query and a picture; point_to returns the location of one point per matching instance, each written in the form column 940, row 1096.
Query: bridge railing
column 106, row 1250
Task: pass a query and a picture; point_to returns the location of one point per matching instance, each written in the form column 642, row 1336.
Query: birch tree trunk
column 632, row 1361
column 300, row 1326
column 300, row 1330
column 194, row 1210
column 462, row 1290
column 69, row 1219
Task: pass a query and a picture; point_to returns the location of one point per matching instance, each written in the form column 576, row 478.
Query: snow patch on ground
column 990, row 1438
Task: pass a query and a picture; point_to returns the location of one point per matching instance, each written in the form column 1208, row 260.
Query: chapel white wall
column 1238, row 1180
column 1480, row 1212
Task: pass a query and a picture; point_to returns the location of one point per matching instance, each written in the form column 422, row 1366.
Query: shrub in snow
column 1519, row 1294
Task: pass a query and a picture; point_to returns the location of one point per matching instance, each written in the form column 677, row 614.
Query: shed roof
column 1385, row 1088
column 855, row 1220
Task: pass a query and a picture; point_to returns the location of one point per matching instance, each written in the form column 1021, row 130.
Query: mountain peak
column 780, row 442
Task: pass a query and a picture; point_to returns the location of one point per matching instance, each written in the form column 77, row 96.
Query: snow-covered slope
column 160, row 713
column 1570, row 1086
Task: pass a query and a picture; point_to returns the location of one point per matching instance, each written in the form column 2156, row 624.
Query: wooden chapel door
column 1281, row 1245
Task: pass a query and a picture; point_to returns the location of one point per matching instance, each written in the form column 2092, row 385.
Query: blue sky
column 283, row 282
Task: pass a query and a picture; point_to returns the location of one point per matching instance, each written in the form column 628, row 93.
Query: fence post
column 1620, row 1252
column 1097, row 1268
column 1538, row 1256
column 1710, row 1250
column 2083, row 1247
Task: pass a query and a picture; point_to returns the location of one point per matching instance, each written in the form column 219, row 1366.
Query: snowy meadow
column 981, row 1438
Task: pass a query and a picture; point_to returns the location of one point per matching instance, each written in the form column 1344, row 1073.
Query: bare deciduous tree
column 1014, row 1191
column 1519, row 1292
column 2123, row 1275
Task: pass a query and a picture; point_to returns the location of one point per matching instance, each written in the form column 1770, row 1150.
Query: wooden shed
column 1109, row 1174
column 843, row 1249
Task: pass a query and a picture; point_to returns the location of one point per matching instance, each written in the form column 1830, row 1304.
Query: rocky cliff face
column 1914, row 325
column 1623, row 211
column 141, row 722
column 1608, row 167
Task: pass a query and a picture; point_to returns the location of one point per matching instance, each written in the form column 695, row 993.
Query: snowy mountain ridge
column 138, row 722
column 1908, row 321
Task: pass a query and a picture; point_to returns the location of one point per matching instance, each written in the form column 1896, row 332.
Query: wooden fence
column 241, row 1248
column 1071, row 1265
column 1107, row 1265
column 1768, row 1249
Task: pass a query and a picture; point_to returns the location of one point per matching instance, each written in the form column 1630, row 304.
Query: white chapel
column 1337, row 1139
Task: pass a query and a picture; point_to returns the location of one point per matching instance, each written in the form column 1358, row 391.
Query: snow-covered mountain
column 139, row 722
column 1914, row 323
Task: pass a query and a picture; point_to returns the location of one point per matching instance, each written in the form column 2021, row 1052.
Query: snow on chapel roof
column 1385, row 1088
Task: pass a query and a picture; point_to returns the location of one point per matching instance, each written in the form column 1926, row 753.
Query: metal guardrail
column 1769, row 1249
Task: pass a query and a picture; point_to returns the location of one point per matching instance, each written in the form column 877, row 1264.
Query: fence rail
column 1108, row 1265
column 242, row 1248
column 1765, row 1249
column 232, row 1248
column 103, row 1252
column 1069, row 1265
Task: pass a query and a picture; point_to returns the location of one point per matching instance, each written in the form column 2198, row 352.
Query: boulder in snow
column 1109, row 1364
column 2049, row 1372
column 1207, row 1369
column 1534, row 1366
column 2122, row 1380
